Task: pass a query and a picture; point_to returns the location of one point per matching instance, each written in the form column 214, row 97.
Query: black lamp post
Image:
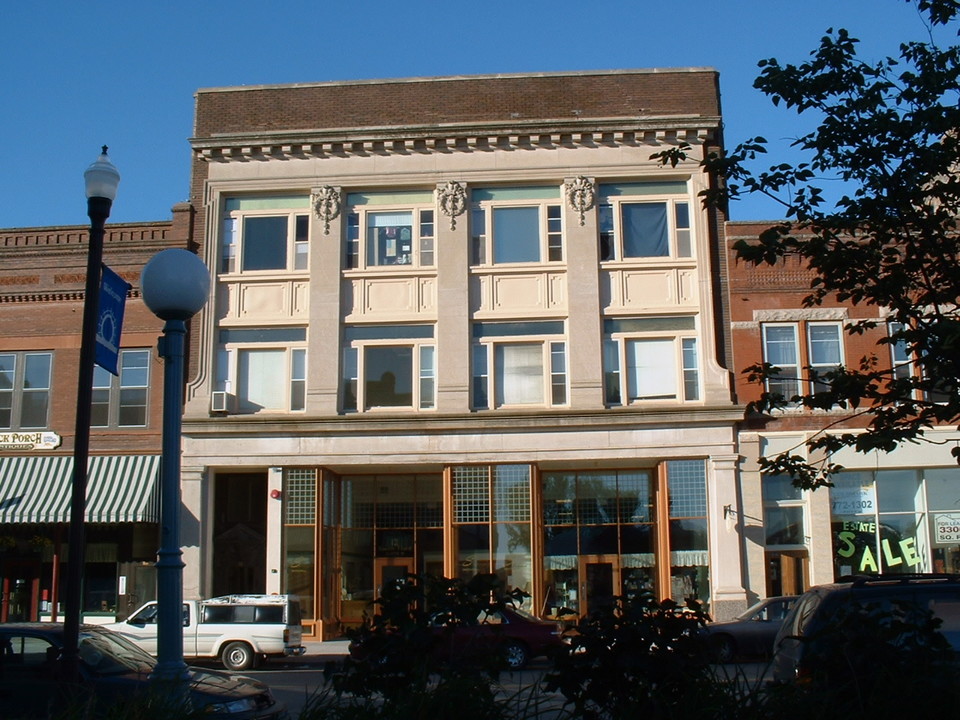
column 101, row 180
column 174, row 284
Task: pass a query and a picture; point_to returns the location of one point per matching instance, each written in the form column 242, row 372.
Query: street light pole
column 174, row 284
column 101, row 180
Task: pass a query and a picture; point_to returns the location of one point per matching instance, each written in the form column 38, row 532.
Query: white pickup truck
column 240, row 630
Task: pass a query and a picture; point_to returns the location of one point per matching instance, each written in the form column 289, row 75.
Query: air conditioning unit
column 219, row 401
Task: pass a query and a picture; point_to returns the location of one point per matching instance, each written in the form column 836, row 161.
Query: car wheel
column 724, row 648
column 515, row 654
column 237, row 656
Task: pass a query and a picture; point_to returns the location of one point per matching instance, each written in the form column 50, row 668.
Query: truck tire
column 237, row 656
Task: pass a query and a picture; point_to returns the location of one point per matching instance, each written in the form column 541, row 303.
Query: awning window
column 120, row 489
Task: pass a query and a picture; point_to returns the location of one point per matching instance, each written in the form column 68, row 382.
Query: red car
column 509, row 635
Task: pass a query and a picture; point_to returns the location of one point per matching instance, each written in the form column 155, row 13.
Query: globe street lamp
column 174, row 284
column 101, row 180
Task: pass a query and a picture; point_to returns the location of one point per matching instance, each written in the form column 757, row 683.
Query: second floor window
column 650, row 359
column 263, row 369
column 25, row 390
column 388, row 366
column 822, row 353
column 519, row 364
column 121, row 400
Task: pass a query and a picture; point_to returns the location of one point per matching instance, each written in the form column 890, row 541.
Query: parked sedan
column 752, row 633
column 508, row 635
column 112, row 671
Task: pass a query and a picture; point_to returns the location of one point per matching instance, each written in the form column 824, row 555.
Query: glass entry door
column 386, row 570
column 599, row 582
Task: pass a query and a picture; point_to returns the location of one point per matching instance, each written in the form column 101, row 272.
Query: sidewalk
column 319, row 653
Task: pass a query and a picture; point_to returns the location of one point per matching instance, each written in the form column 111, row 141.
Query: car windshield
column 105, row 654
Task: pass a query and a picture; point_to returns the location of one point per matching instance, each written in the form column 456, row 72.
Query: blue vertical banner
column 113, row 299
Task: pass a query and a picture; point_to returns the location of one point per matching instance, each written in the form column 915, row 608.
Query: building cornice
column 425, row 140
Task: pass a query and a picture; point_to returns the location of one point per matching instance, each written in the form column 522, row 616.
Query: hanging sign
column 113, row 298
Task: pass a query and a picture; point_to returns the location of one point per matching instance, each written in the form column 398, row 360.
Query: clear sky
column 78, row 75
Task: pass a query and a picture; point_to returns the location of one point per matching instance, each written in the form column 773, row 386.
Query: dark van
column 795, row 645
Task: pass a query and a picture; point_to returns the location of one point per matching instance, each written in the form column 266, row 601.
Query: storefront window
column 491, row 509
column 299, row 536
column 878, row 523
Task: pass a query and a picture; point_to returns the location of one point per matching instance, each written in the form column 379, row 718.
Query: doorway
column 20, row 591
column 599, row 582
column 388, row 569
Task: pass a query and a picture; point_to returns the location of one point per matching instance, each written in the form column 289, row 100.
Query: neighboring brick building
column 460, row 325
column 889, row 512
column 42, row 278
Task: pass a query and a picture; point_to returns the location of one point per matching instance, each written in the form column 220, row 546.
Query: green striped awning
column 120, row 488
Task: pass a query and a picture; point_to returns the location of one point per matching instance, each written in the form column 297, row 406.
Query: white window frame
column 230, row 361
column 681, row 242
column 115, row 385
column 357, row 237
column 684, row 375
column 820, row 367
column 790, row 373
column 233, row 231
column 487, row 365
column 17, row 391
column 423, row 374
column 551, row 247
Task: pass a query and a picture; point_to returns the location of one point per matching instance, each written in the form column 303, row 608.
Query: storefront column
column 274, row 558
column 194, row 521
column 726, row 550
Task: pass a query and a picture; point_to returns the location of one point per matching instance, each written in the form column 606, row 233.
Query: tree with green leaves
column 890, row 131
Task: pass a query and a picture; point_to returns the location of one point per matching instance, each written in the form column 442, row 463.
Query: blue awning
column 120, row 489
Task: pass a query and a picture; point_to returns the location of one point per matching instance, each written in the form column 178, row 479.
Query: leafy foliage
column 890, row 130
column 638, row 658
column 394, row 653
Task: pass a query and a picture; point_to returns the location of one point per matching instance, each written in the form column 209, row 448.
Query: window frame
column 618, row 380
column 356, row 243
column 115, row 388
column 423, row 374
column 551, row 228
column 487, row 355
column 818, row 368
column 782, row 379
column 233, row 236
column 229, row 364
column 18, row 390
column 680, row 236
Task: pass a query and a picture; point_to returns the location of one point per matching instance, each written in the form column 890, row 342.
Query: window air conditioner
column 219, row 401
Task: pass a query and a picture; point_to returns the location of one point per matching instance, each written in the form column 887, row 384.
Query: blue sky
column 77, row 75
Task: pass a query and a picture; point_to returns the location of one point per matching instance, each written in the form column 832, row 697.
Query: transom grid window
column 651, row 359
column 523, row 363
column 265, row 234
column 823, row 352
column 389, row 367
column 516, row 225
column 24, row 390
column 632, row 229
column 389, row 229
column 266, row 368
column 121, row 400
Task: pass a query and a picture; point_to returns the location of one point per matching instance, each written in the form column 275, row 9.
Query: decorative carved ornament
column 581, row 195
column 452, row 198
column 326, row 205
